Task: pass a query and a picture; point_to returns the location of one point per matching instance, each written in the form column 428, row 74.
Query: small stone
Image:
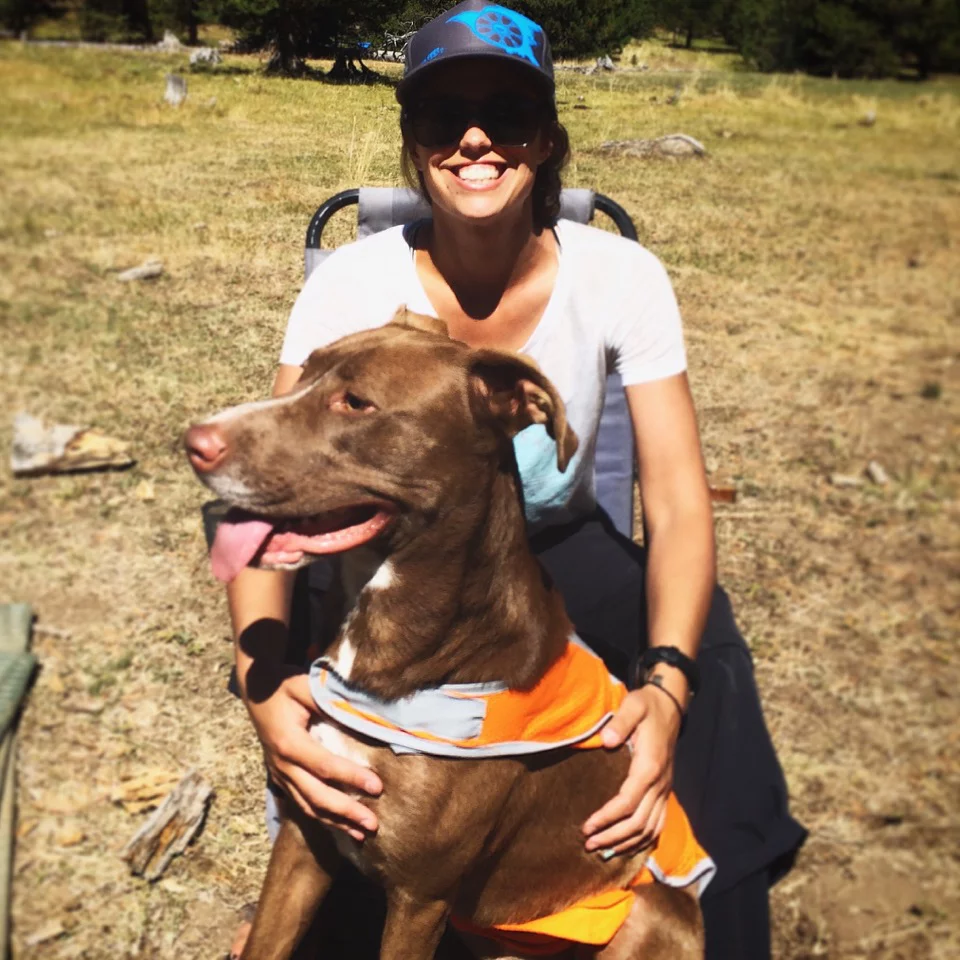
column 205, row 58
column 868, row 119
column 843, row 480
column 70, row 837
column 148, row 270
column 877, row 474
column 176, row 90
column 49, row 931
column 41, row 448
column 145, row 492
column 672, row 145
column 170, row 43
column 50, row 233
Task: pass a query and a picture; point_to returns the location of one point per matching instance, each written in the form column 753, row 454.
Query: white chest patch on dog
column 383, row 578
column 346, row 653
column 334, row 739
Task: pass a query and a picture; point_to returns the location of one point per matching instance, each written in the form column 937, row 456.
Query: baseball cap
column 473, row 29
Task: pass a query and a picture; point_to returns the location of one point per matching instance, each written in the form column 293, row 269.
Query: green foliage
column 20, row 15
column 118, row 20
column 297, row 29
column 588, row 27
column 848, row 38
column 689, row 19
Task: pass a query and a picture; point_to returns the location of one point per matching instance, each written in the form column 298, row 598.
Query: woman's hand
column 304, row 769
column 635, row 816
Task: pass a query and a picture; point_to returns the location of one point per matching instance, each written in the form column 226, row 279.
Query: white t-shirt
column 612, row 308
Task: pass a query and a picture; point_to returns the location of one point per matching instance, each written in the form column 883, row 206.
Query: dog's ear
column 515, row 391
column 419, row 321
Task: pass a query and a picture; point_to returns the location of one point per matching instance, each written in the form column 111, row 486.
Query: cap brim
column 412, row 79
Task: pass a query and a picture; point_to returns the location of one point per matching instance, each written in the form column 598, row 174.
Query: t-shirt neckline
column 554, row 303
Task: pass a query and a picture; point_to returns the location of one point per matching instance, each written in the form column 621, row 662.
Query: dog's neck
column 464, row 601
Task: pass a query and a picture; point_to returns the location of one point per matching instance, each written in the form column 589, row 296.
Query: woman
column 481, row 137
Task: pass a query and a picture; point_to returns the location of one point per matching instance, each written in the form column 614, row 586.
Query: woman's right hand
column 300, row 766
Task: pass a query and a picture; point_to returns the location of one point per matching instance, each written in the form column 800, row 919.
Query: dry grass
column 815, row 260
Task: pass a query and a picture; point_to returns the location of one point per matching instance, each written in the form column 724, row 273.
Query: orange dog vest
column 567, row 708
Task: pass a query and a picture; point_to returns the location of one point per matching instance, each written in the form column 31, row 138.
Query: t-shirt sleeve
column 315, row 320
column 358, row 287
column 645, row 336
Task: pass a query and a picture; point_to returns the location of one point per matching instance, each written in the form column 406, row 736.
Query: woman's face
column 478, row 138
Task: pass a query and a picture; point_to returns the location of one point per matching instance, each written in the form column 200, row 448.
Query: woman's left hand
column 635, row 816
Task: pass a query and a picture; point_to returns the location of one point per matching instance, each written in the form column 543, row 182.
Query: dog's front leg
column 413, row 927
column 302, row 867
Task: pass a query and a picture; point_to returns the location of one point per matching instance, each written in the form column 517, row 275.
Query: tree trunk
column 192, row 23
column 689, row 40
column 286, row 62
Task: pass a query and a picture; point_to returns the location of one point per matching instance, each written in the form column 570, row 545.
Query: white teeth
column 478, row 171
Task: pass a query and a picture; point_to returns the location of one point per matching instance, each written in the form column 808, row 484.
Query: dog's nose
column 206, row 447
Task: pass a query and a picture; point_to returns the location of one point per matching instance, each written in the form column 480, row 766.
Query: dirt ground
column 815, row 259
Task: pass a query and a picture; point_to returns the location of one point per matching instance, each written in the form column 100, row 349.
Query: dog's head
column 385, row 430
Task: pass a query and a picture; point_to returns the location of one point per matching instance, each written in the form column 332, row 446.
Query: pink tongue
column 235, row 545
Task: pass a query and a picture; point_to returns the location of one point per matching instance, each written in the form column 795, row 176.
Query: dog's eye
column 348, row 402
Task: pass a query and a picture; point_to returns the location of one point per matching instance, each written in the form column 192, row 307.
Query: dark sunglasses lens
column 511, row 122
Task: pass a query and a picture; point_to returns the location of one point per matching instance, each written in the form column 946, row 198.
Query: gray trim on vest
column 436, row 711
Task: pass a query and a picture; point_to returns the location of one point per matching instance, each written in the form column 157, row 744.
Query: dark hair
column 546, row 185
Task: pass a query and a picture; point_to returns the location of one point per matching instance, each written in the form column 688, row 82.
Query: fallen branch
column 170, row 829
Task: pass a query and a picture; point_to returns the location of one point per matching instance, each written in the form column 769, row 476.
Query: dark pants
column 727, row 776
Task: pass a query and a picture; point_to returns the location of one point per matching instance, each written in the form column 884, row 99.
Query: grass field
column 816, row 261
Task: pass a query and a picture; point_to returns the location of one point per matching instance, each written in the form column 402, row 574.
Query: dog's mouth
column 245, row 539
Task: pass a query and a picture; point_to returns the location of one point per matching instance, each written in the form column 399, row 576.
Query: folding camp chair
column 379, row 208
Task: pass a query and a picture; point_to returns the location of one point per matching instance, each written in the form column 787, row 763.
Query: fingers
column 646, row 776
column 632, row 712
column 634, row 832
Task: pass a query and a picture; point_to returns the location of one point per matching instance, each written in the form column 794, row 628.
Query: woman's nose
column 475, row 138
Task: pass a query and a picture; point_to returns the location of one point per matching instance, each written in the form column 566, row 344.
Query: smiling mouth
column 245, row 539
column 479, row 173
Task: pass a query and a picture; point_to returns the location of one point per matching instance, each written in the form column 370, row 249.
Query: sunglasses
column 506, row 119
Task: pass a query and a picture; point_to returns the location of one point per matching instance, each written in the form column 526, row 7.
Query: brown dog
column 397, row 441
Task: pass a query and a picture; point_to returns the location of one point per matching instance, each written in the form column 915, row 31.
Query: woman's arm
column 278, row 698
column 681, row 571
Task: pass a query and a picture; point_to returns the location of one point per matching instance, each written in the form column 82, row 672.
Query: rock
column 205, row 58
column 70, row 837
column 170, row 43
column 176, row 91
column 145, row 492
column 868, row 119
column 49, row 931
column 39, row 448
column 844, row 480
column 877, row 474
column 672, row 145
column 605, row 63
column 148, row 270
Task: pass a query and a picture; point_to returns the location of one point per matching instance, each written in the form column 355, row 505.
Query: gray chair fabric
column 380, row 208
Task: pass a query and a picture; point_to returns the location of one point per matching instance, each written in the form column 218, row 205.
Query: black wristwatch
column 672, row 657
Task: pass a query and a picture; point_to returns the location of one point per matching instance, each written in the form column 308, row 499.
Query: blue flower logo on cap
column 511, row 32
column 432, row 55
